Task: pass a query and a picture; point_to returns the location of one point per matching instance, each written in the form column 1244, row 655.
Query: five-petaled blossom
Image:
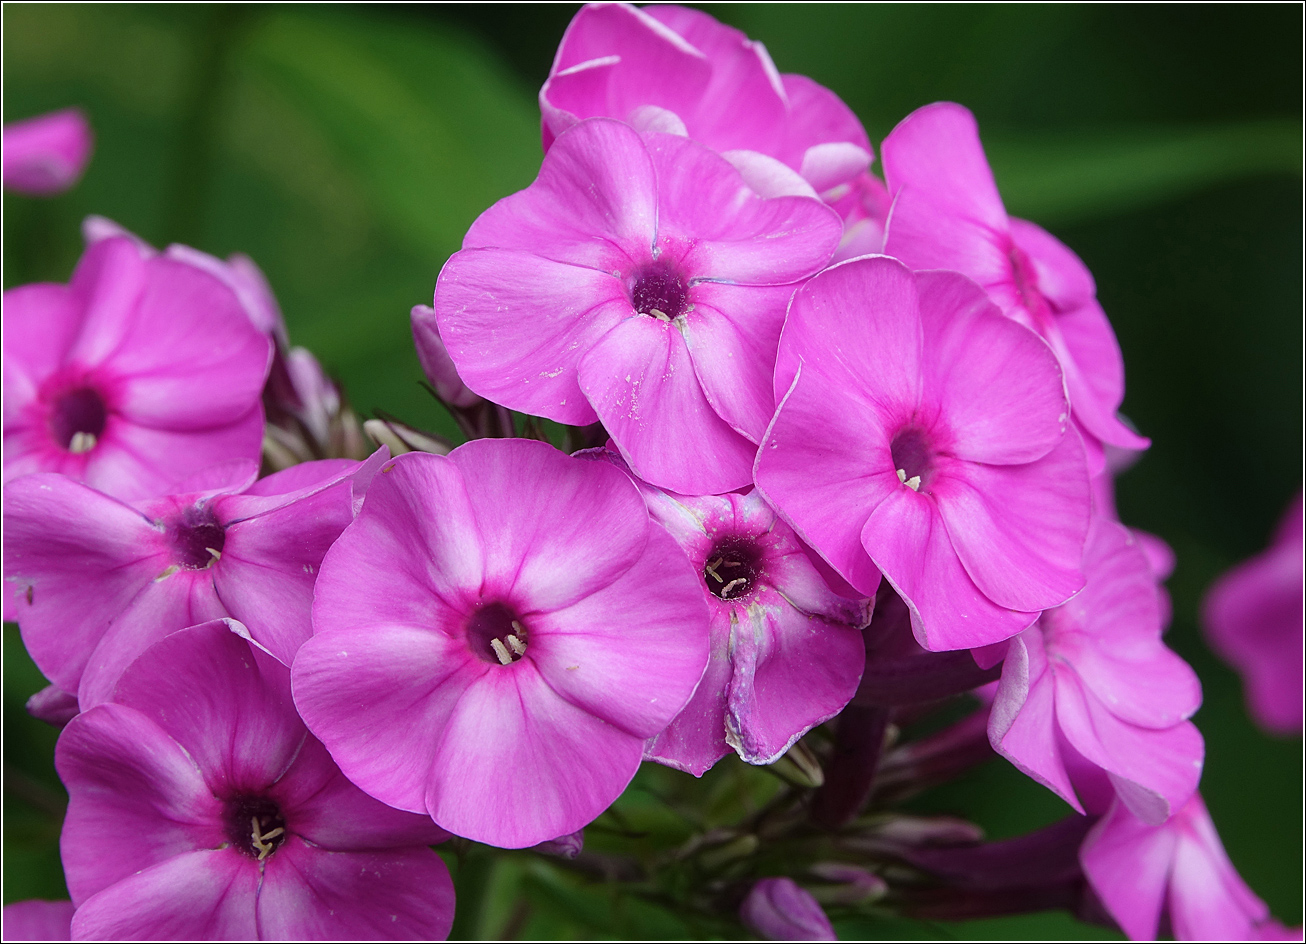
column 640, row 282
column 97, row 580
column 140, row 371
column 786, row 650
column 947, row 214
column 922, row 435
column 495, row 637
column 1091, row 688
column 201, row 808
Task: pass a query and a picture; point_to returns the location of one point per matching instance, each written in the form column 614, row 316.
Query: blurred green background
column 347, row 150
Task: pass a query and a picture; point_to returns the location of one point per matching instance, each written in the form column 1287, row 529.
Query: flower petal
column 136, row 799
column 906, row 537
column 196, row 896
column 353, row 679
column 555, row 529
column 640, row 379
column 695, row 739
column 997, row 383
column 733, row 333
column 947, row 213
column 84, row 556
column 791, row 672
column 1155, row 772
column 517, row 326
column 518, row 765
column 225, row 701
column 1019, row 530
column 632, row 651
column 812, row 467
column 594, row 204
column 311, row 894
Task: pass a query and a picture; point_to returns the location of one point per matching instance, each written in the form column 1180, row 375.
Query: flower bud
column 778, row 909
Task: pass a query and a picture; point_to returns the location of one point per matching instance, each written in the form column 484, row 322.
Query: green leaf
column 429, row 121
column 1069, row 177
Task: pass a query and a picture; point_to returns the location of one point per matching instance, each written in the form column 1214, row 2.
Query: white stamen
column 81, row 442
column 518, row 629
column 261, row 838
column 710, row 568
column 500, row 651
column 217, row 555
column 661, row 316
column 914, row 483
column 725, row 591
column 517, row 645
column 902, row 475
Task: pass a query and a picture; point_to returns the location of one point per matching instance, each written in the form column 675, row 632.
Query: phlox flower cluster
column 841, row 448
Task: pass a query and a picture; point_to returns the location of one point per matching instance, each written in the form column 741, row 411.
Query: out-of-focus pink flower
column 1178, row 868
column 679, row 71
column 641, row 283
column 1091, row 688
column 786, row 650
column 141, row 370
column 496, row 636
column 436, row 362
column 200, row 808
column 37, row 920
column 1253, row 619
column 778, row 909
column 97, row 580
column 922, row 433
column 947, row 214
column 46, row 155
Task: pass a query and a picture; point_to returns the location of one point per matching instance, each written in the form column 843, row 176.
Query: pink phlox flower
column 786, row 654
column 97, row 580
column 921, row 434
column 1160, row 555
column 496, row 636
column 1177, row 870
column 947, row 214
column 46, row 155
column 1090, row 688
column 677, row 70
column 140, row 371
column 639, row 282
column 201, row 808
column 36, row 920
column 1253, row 618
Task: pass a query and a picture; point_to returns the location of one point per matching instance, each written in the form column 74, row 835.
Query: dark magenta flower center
column 197, row 538
column 912, row 456
column 255, row 825
column 659, row 292
column 733, row 568
column 497, row 634
column 77, row 420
